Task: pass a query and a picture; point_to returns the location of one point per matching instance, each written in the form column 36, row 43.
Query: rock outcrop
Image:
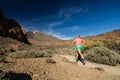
column 11, row 28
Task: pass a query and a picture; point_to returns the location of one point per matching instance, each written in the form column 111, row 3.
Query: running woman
column 79, row 47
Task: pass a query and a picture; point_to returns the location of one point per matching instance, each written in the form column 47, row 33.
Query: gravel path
column 115, row 70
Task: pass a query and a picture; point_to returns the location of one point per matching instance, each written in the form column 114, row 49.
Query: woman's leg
column 76, row 54
column 80, row 52
column 83, row 59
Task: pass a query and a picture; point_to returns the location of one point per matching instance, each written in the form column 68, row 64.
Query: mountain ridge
column 114, row 34
column 39, row 36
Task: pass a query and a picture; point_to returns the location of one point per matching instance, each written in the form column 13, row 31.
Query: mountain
column 113, row 35
column 41, row 39
column 35, row 35
column 11, row 28
column 110, row 35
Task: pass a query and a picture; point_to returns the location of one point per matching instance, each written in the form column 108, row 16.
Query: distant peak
column 34, row 32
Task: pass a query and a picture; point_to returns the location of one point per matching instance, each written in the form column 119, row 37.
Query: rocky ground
column 63, row 69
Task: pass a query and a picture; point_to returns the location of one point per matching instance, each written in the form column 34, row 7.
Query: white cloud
column 72, row 28
column 55, row 24
column 59, row 35
column 68, row 12
column 77, row 28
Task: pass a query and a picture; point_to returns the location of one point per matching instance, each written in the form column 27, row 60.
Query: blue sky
column 65, row 19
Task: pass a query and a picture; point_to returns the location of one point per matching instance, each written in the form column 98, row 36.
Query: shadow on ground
column 14, row 76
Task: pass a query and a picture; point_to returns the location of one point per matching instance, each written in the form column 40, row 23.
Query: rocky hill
column 35, row 35
column 114, row 35
column 11, row 28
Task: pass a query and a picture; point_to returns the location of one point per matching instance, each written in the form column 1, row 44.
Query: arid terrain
column 41, row 61
column 38, row 56
column 63, row 69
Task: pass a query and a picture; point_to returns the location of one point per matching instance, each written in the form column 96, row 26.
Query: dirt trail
column 115, row 70
column 63, row 69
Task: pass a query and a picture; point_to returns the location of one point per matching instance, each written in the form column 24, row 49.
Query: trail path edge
column 115, row 70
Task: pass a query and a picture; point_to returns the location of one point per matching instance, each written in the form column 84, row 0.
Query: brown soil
column 115, row 70
column 63, row 69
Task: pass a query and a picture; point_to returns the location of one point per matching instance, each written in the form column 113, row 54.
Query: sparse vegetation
column 113, row 45
column 2, row 60
column 3, row 76
column 31, row 53
column 94, row 43
column 50, row 60
column 3, row 50
column 103, row 55
column 37, row 68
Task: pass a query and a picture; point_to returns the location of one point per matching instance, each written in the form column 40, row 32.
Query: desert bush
column 2, row 60
column 3, row 76
column 24, row 54
column 102, row 55
column 65, row 51
column 47, row 53
column 113, row 44
column 91, row 44
column 31, row 54
column 3, row 50
column 18, row 54
column 50, row 60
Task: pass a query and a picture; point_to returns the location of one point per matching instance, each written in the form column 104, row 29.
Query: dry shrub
column 113, row 44
column 3, row 75
column 91, row 44
column 2, row 60
column 5, row 50
column 31, row 54
column 103, row 55
column 19, row 54
column 50, row 60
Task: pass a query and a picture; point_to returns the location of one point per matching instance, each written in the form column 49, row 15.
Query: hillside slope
column 41, row 37
column 115, row 34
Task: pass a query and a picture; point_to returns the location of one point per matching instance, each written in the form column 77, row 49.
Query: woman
column 79, row 46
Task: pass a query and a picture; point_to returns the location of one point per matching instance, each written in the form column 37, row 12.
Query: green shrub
column 30, row 54
column 3, row 50
column 66, row 51
column 2, row 60
column 18, row 54
column 91, row 44
column 103, row 55
column 113, row 44
column 24, row 54
column 50, row 60
column 48, row 53
column 3, row 76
